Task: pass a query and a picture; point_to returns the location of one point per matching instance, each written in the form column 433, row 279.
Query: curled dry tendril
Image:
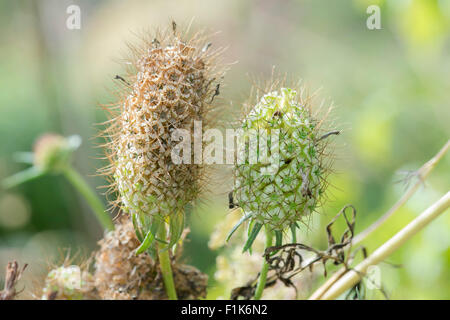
column 288, row 260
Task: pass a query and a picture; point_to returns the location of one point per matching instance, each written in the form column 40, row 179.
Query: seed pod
column 170, row 86
column 281, row 197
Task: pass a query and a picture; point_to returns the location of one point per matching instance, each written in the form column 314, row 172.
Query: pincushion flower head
column 282, row 197
column 278, row 194
column 171, row 84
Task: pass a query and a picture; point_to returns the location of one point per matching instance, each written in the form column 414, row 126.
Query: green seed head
column 291, row 191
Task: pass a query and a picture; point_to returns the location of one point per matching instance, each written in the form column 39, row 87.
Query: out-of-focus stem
column 22, row 176
column 265, row 268
column 423, row 173
column 91, row 198
column 164, row 262
column 353, row 276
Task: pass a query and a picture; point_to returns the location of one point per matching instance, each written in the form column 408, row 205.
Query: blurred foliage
column 390, row 88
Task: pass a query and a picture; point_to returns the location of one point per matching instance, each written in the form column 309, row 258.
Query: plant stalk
column 164, row 262
column 353, row 276
column 423, row 173
column 91, row 198
column 265, row 268
column 26, row 175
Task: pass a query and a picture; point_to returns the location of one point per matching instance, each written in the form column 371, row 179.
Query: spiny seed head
column 291, row 190
column 68, row 283
column 170, row 87
column 52, row 151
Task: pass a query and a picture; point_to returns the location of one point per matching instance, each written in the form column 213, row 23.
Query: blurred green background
column 391, row 88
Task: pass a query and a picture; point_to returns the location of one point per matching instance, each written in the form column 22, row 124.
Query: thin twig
column 353, row 276
column 423, row 173
column 13, row 274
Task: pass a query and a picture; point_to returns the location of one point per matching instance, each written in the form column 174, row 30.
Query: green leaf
column 176, row 227
column 249, row 231
column 294, row 232
column 252, row 237
column 150, row 237
column 244, row 218
column 23, row 176
column 250, row 226
column 24, row 157
column 152, row 252
column 278, row 238
column 161, row 241
column 136, row 228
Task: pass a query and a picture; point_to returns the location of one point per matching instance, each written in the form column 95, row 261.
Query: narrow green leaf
column 250, row 227
column 162, row 241
column 278, row 238
column 150, row 237
column 176, row 227
column 146, row 243
column 252, row 237
column 153, row 253
column 24, row 157
column 23, row 176
column 244, row 218
column 249, row 231
column 294, row 232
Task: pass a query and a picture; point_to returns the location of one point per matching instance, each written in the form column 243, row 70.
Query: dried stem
column 422, row 173
column 353, row 276
column 13, row 274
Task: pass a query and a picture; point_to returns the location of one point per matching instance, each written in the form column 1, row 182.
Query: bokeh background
column 391, row 89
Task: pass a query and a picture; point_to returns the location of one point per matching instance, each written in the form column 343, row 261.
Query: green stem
column 22, row 176
column 265, row 268
column 164, row 262
column 95, row 203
